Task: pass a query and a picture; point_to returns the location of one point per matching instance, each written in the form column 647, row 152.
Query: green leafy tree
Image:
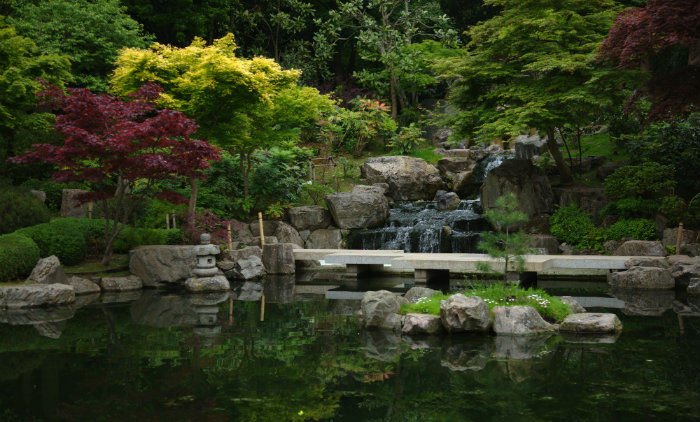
column 534, row 66
column 507, row 243
column 240, row 104
column 22, row 66
column 383, row 29
column 90, row 32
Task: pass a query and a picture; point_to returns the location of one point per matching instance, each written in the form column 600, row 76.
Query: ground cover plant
column 499, row 294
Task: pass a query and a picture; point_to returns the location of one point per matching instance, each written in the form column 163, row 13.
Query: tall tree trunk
column 192, row 204
column 394, row 96
column 245, row 166
column 564, row 170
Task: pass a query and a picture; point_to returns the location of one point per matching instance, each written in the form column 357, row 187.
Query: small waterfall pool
column 421, row 227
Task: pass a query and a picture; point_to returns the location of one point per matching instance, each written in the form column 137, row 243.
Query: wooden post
column 229, row 240
column 262, row 308
column 262, row 230
column 89, row 209
column 174, row 221
column 679, row 239
column 167, row 221
column 230, row 310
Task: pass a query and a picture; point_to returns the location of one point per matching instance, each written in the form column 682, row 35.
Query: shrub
column 572, row 225
column 153, row 216
column 407, row 139
column 18, row 255
column 131, row 238
column 69, row 246
column 19, row 208
column 315, row 193
column 636, row 228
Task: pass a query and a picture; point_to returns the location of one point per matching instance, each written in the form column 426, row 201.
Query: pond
column 160, row 356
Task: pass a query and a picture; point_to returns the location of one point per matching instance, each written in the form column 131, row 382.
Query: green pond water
column 155, row 356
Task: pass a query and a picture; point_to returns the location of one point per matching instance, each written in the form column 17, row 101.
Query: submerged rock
column 48, row 271
column 519, row 320
column 591, row 323
column 460, row 313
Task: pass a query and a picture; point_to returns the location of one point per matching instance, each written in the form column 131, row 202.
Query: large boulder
column 460, row 313
column 457, row 172
column 642, row 278
column 640, row 302
column 364, row 207
column 529, row 184
column 529, row 146
column 519, row 320
column 120, row 284
column 309, row 217
column 82, row 286
column 71, row 205
column 325, row 239
column 694, row 287
column 380, row 309
column 48, row 271
column 288, row 234
column 279, row 258
column 646, row 261
column 248, row 268
column 593, row 323
column 35, row 295
column 671, row 236
column 446, row 200
column 641, row 248
column 421, row 324
column 684, row 268
column 409, row 178
column 590, row 199
column 159, row 265
column 573, row 304
column 217, row 283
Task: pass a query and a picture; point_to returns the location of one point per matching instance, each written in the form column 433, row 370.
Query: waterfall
column 421, row 227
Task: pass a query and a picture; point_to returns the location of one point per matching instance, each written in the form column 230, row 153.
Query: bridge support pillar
column 362, row 270
column 428, row 276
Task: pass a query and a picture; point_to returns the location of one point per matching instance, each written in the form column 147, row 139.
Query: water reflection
column 202, row 357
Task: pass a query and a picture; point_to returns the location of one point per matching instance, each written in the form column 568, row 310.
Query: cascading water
column 421, row 227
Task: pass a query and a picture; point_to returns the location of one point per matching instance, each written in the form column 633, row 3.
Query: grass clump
column 498, row 294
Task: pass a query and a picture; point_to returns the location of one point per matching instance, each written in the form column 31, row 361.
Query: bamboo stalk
column 262, row 308
column 262, row 230
column 229, row 240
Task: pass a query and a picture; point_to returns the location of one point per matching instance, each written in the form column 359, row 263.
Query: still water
column 156, row 356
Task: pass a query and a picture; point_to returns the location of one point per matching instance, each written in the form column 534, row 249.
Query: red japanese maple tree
column 662, row 37
column 120, row 148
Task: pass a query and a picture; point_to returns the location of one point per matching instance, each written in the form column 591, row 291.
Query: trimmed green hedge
column 18, row 255
column 636, row 228
column 72, row 239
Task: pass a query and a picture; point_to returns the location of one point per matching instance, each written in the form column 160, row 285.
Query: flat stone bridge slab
column 427, row 266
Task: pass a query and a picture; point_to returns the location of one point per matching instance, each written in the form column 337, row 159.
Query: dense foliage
column 18, row 254
column 19, row 208
column 118, row 148
column 572, row 225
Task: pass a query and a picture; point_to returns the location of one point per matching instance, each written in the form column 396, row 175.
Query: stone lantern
column 206, row 276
